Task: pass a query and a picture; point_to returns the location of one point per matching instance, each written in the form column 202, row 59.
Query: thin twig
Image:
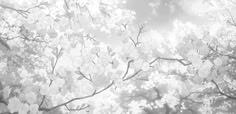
column 23, row 13
column 132, row 41
column 139, row 32
column 19, row 11
column 53, row 70
column 132, row 76
column 232, row 18
column 171, row 59
column 44, row 97
column 137, row 37
column 127, row 69
column 82, row 74
column 57, row 58
column 76, row 109
column 92, row 18
column 66, row 3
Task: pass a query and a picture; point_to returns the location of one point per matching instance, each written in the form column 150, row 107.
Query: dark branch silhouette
column 221, row 92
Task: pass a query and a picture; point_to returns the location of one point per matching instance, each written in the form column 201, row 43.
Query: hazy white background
column 159, row 16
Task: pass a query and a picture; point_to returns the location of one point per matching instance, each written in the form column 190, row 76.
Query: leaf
column 184, row 48
column 83, row 105
column 138, row 63
column 94, row 43
column 54, row 88
column 196, row 62
column 14, row 104
column 24, row 32
column 44, row 90
column 60, row 82
column 145, row 66
column 42, row 32
column 197, row 80
column 218, row 61
column 52, row 61
column 204, row 70
column 203, row 73
column 115, row 63
column 33, row 108
column 104, row 58
column 31, row 97
column 3, row 108
column 113, row 53
column 52, row 33
column 45, row 3
column 61, row 71
column 194, row 58
column 6, row 92
column 95, row 50
column 204, row 50
column 100, row 81
column 197, row 43
column 77, row 62
column 114, row 76
column 109, row 50
column 1, row 87
column 24, row 108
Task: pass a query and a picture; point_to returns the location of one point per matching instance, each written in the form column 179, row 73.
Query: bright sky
column 160, row 15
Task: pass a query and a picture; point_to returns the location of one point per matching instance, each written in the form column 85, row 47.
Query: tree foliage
column 53, row 61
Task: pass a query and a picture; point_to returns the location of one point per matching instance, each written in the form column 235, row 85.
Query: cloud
column 199, row 7
column 158, row 38
column 154, row 5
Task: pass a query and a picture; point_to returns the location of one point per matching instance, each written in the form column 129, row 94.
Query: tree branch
column 88, row 96
column 171, row 59
column 86, row 8
column 79, row 98
column 66, row 4
column 137, row 37
column 23, row 13
column 53, row 70
column 57, row 58
column 221, row 92
column 232, row 18
column 139, row 32
column 44, row 97
column 222, row 54
column 19, row 11
column 127, row 69
column 132, row 41
column 76, row 109
column 4, row 43
column 82, row 74
column 123, row 78
column 133, row 75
